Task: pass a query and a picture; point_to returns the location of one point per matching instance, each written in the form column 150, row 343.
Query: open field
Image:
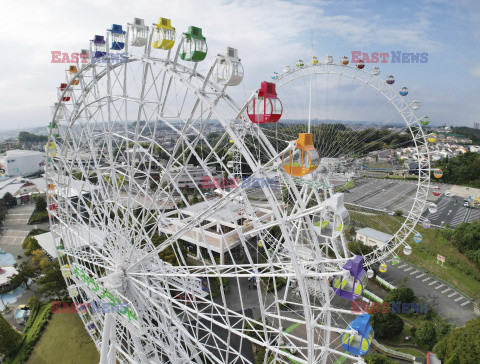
column 64, row 341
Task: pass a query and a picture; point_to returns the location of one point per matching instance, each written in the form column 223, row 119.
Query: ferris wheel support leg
column 107, row 327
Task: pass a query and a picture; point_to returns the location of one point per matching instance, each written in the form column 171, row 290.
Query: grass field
column 458, row 270
column 64, row 341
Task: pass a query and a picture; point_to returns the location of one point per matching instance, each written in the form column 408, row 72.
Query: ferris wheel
column 193, row 229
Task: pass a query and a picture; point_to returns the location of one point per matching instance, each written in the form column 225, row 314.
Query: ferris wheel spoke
column 217, row 318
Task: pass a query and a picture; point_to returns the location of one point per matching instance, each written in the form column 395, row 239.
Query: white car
column 448, row 194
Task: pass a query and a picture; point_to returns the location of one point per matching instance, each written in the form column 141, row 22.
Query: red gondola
column 265, row 107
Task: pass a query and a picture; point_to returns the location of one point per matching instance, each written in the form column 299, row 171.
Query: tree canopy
column 40, row 204
column 461, row 170
column 25, row 272
column 461, row 345
column 10, row 201
column 9, row 338
column 52, row 281
column 376, row 358
column 386, row 325
column 426, row 334
column 404, row 294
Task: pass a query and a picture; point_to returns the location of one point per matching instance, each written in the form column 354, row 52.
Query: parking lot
column 391, row 195
column 15, row 228
column 451, row 212
column 451, row 304
column 384, row 194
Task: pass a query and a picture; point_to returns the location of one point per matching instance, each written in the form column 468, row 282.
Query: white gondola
column 228, row 70
column 332, row 220
column 138, row 33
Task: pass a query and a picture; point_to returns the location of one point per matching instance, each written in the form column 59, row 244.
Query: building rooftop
column 20, row 152
column 47, row 242
column 375, row 234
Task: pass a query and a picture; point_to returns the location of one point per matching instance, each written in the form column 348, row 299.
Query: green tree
column 30, row 244
column 40, row 204
column 461, row 345
column 376, row 358
column 454, row 359
column 462, row 170
column 25, row 272
column 52, row 281
column 10, row 201
column 467, row 236
column 9, row 338
column 386, row 325
column 194, row 198
column 426, row 334
column 398, row 212
column 3, row 209
column 33, row 302
column 357, row 247
column 404, row 294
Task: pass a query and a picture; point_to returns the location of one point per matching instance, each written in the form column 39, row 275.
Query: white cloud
column 268, row 35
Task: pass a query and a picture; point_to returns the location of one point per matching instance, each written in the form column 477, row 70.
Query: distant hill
column 14, row 134
column 26, row 137
column 470, row 133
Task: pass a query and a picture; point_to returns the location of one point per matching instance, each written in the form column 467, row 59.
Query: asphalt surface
column 451, row 212
column 450, row 304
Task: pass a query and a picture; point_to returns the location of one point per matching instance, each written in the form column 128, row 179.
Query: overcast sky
column 268, row 34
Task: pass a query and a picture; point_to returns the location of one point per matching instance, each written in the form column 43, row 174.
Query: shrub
column 426, row 334
column 404, row 294
column 33, row 303
column 386, row 325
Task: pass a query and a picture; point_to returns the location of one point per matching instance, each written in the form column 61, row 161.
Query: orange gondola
column 304, row 159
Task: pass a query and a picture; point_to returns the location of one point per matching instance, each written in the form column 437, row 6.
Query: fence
column 372, row 296
column 391, row 352
column 384, row 283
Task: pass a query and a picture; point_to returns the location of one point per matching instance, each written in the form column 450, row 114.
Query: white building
column 219, row 232
column 22, row 162
column 372, row 237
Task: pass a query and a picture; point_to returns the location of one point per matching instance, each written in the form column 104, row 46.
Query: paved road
column 450, row 304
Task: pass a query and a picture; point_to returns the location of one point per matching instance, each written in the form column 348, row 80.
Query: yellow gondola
column 51, row 149
column 304, row 159
column 163, row 34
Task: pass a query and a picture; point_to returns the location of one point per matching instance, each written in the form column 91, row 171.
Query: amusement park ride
column 109, row 211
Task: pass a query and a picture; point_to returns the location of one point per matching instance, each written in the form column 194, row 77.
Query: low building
column 22, row 162
column 372, row 237
column 22, row 189
column 47, row 242
column 219, row 232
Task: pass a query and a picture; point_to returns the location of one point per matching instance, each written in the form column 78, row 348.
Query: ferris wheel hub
column 117, row 280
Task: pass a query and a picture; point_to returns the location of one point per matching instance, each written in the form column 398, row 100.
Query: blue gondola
column 118, row 37
column 358, row 344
